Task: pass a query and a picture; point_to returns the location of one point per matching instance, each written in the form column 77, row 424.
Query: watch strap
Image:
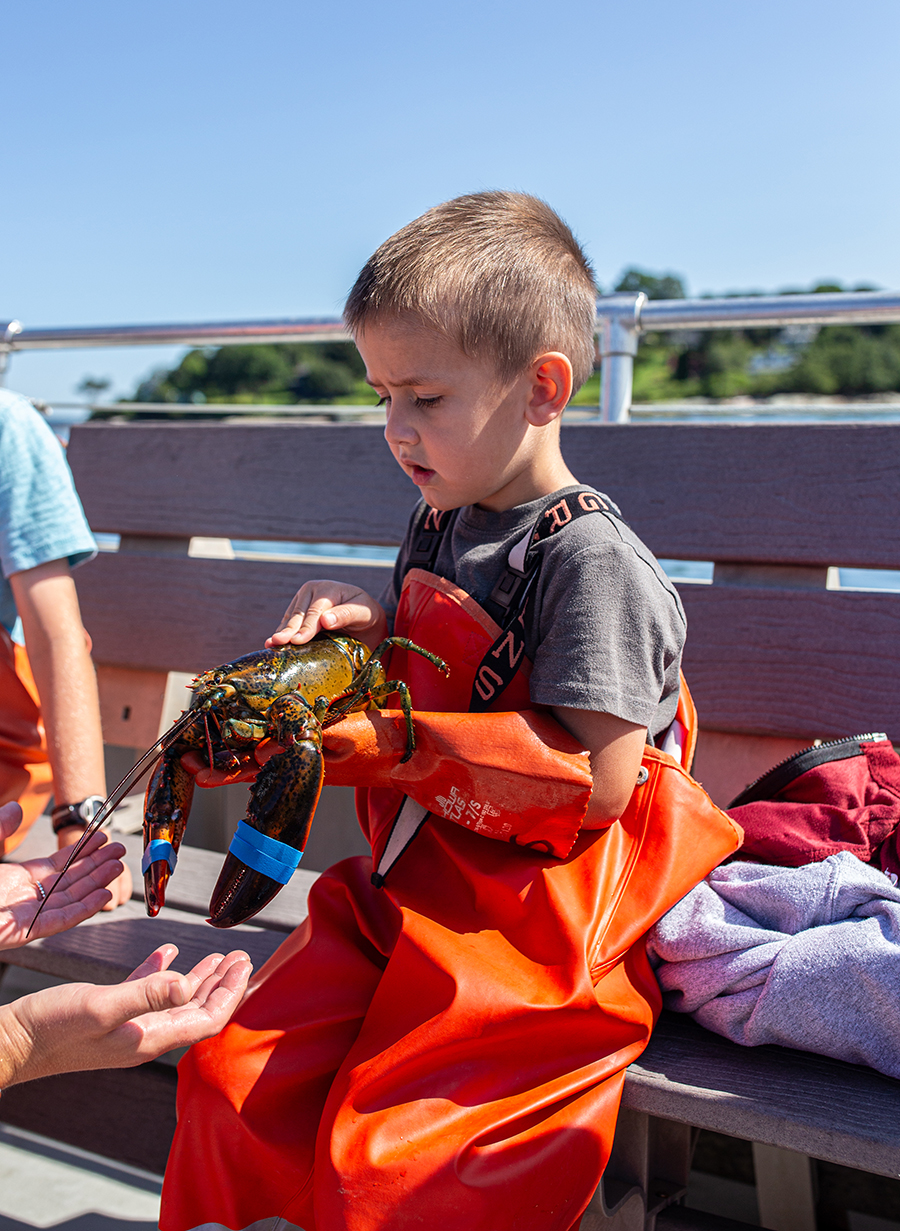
column 68, row 816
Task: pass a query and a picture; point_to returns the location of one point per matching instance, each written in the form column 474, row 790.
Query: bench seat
column 776, row 657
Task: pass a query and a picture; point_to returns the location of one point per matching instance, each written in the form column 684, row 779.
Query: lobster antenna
column 134, row 775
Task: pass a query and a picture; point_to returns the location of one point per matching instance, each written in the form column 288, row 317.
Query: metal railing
column 621, row 319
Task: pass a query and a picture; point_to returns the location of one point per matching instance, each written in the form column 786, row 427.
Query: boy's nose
column 397, row 429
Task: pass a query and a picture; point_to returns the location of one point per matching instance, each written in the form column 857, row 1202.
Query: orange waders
column 25, row 774
column 446, row 1051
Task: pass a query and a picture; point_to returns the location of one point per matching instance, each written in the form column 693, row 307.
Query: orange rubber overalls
column 25, row 774
column 447, row 1051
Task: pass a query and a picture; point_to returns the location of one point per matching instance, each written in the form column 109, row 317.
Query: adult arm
column 81, row 1026
column 64, row 674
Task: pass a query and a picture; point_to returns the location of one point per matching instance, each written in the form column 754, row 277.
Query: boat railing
column 621, row 319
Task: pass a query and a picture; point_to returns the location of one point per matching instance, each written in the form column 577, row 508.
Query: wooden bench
column 775, row 659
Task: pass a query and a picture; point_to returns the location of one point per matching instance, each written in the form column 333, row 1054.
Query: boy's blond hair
column 498, row 272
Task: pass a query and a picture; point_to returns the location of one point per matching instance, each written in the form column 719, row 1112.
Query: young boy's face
column 457, row 430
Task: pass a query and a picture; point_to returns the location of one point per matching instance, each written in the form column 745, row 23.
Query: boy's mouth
column 419, row 474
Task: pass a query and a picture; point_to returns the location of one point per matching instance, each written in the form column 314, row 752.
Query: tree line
column 848, row 360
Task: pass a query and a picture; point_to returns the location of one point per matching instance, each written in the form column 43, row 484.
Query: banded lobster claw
column 291, row 694
column 267, row 847
column 287, row 694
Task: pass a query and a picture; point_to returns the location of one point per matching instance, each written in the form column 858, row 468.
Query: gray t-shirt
column 607, row 628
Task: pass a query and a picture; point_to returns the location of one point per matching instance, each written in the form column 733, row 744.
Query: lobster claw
column 267, row 847
column 166, row 808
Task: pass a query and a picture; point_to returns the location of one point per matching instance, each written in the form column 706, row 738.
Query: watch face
column 89, row 808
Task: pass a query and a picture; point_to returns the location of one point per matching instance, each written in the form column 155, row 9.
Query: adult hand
column 80, row 893
column 331, row 606
column 120, row 889
column 81, row 1026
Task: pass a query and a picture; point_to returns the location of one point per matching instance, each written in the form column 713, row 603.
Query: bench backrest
column 770, row 651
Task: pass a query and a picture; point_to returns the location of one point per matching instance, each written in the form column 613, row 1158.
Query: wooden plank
column 679, row 1218
column 126, row 1114
column 842, row 1113
column 107, row 947
column 131, row 703
column 785, row 1188
column 165, row 614
column 814, row 494
column 799, row 663
column 787, row 663
column 726, row 762
column 246, row 481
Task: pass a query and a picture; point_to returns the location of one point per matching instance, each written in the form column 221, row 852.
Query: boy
column 442, row 1043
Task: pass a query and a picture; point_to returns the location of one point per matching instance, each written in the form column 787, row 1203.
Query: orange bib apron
column 25, row 774
column 449, row 1050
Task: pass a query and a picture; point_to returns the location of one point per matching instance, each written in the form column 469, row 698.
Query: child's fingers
column 348, row 615
column 325, row 604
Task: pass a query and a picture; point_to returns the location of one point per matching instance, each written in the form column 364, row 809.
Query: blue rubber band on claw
column 156, row 850
column 264, row 854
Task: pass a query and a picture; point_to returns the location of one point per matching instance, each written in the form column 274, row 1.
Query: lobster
column 287, row 695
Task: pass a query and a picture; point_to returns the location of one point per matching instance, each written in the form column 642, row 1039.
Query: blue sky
column 193, row 160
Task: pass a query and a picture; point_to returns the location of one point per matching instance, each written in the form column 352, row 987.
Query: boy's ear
column 551, row 388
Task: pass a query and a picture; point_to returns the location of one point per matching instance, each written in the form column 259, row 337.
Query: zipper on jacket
column 767, row 785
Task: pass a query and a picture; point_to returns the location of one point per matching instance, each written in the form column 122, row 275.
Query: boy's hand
column 331, row 606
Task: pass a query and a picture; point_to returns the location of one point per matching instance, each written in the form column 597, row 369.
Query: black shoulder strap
column 428, row 534
column 510, row 599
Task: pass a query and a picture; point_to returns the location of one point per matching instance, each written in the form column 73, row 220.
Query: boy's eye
column 419, row 403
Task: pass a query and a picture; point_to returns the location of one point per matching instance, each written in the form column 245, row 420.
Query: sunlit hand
column 331, row 606
column 81, row 1026
column 80, row 894
column 120, row 889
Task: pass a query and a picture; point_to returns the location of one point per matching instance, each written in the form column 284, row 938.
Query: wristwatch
column 64, row 816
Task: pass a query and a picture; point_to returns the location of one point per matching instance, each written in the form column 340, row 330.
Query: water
column 697, row 571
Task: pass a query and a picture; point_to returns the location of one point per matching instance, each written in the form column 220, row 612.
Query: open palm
column 80, row 893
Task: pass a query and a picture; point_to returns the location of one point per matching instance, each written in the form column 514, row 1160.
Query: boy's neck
column 533, row 483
